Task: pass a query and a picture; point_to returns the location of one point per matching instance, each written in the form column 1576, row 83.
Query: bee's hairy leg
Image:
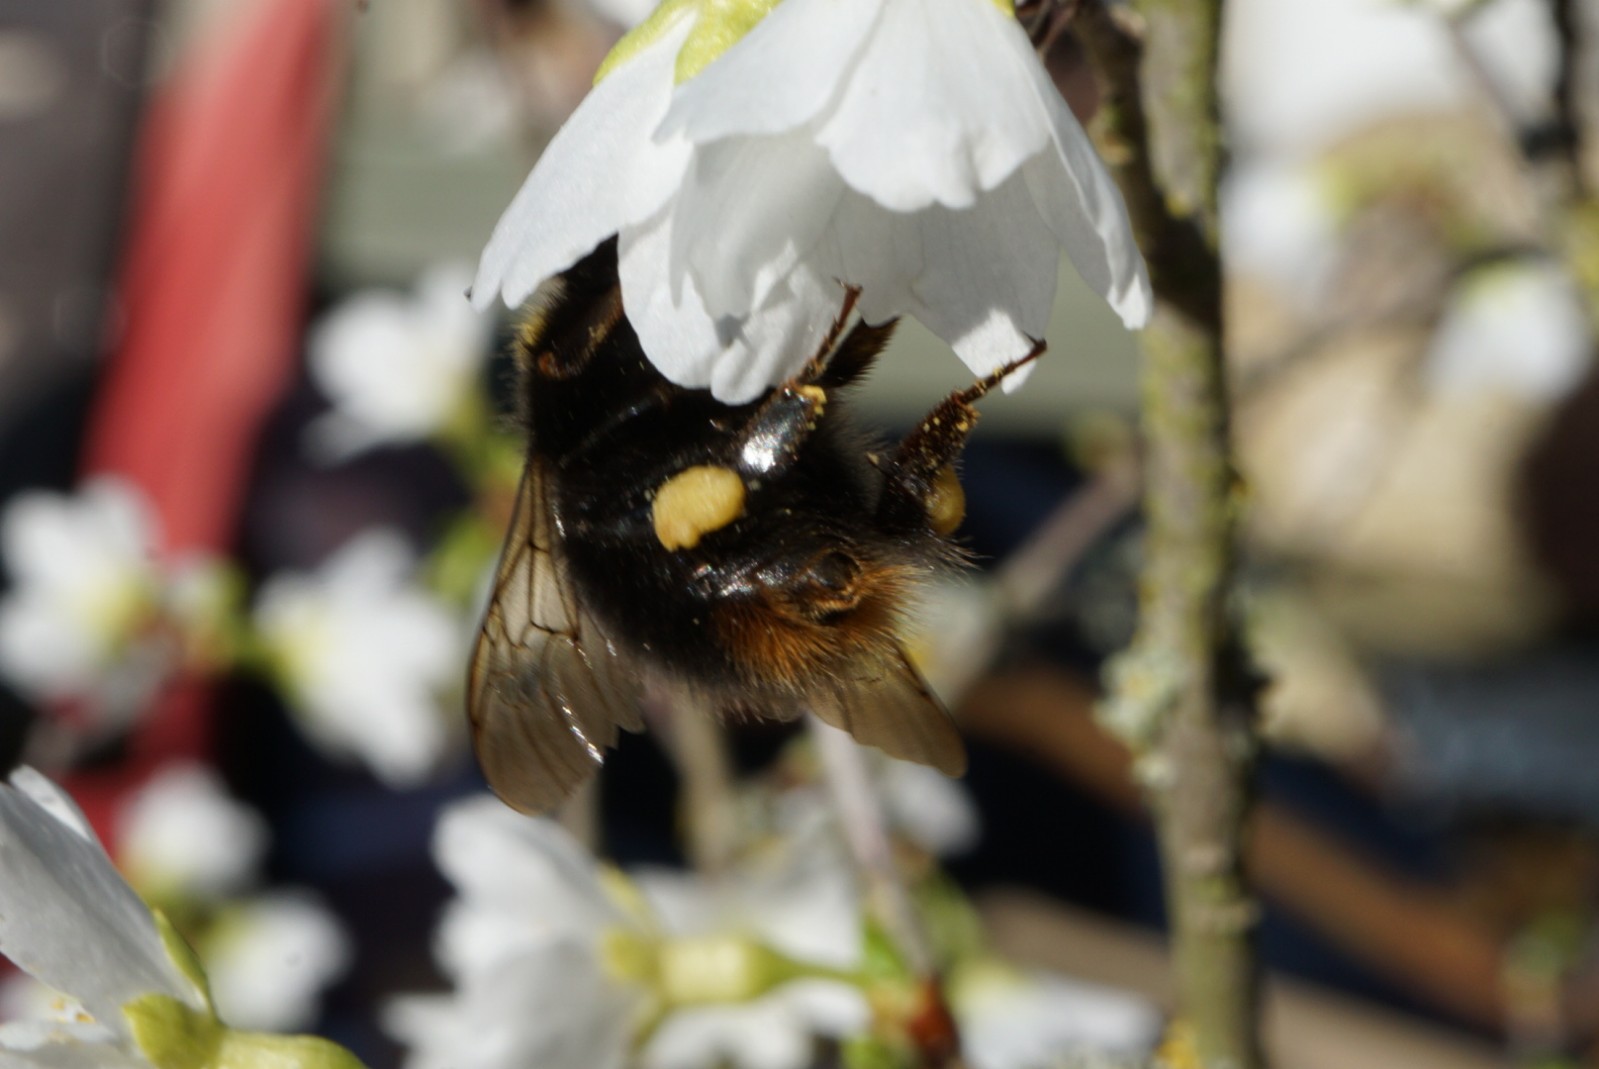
column 919, row 483
column 772, row 439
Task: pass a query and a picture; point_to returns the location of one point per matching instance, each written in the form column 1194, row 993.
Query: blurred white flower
column 182, row 834
column 927, row 807
column 397, row 367
column 1520, row 328
column 914, row 148
column 623, row 13
column 1301, row 74
column 701, row 968
column 1280, row 226
column 70, row 922
column 366, row 656
column 270, row 957
column 84, row 586
column 1014, row 1020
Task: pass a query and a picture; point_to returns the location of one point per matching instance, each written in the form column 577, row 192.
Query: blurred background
column 253, row 468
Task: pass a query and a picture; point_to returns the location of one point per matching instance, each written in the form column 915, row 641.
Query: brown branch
column 1178, row 692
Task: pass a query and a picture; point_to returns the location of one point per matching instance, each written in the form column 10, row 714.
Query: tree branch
column 1179, row 695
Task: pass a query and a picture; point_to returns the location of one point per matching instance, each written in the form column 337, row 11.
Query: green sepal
column 173, row 1034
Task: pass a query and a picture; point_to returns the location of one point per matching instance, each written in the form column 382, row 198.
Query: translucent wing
column 546, row 691
column 894, row 711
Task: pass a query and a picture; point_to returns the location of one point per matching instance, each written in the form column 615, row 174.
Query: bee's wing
column 546, row 690
column 893, row 710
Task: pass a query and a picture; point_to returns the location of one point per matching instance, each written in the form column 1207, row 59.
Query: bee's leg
column 812, row 371
column 772, row 439
column 920, row 488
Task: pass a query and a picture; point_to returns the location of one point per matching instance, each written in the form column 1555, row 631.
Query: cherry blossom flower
column 366, row 656
column 1517, row 328
column 68, row 920
column 564, row 964
column 398, row 368
column 181, row 833
column 93, row 615
column 1031, row 1020
column 271, row 956
column 84, row 586
column 914, row 148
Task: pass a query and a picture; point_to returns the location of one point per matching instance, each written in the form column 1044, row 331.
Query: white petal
column 772, row 1032
column 523, row 883
column 778, row 76
column 1082, row 205
column 676, row 332
column 66, row 916
column 271, row 960
column 1041, row 1018
column 1519, row 329
column 182, row 832
column 773, row 342
column 983, row 278
column 932, row 810
column 938, row 107
column 553, row 1011
column 602, row 171
column 750, row 209
column 63, row 1045
column 366, row 654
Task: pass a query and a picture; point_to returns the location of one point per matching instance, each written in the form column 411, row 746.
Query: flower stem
column 705, row 769
column 1179, row 695
column 850, row 783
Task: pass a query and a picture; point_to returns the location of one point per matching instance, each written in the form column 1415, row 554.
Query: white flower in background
column 928, row 808
column 1014, row 1020
column 69, row 921
column 84, row 586
column 366, row 656
column 1519, row 328
column 537, row 925
column 1280, row 227
column 1301, row 74
column 182, row 834
column 398, row 368
column 914, row 148
column 623, row 13
column 270, row 957
column 920, row 804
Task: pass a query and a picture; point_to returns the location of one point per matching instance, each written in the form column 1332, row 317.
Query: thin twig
column 705, row 770
column 849, row 781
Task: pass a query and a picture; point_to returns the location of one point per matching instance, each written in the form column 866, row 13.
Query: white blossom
column 181, row 833
column 366, row 656
column 914, row 148
column 537, row 924
column 1518, row 328
column 84, row 586
column 69, row 921
column 270, row 958
column 1014, row 1020
column 397, row 367
column 133, row 996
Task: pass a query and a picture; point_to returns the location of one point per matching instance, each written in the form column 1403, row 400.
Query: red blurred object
column 211, row 292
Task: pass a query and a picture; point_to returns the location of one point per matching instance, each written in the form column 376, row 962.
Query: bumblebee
column 751, row 560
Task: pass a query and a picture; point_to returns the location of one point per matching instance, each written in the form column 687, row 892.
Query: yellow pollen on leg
column 695, row 502
column 946, row 501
